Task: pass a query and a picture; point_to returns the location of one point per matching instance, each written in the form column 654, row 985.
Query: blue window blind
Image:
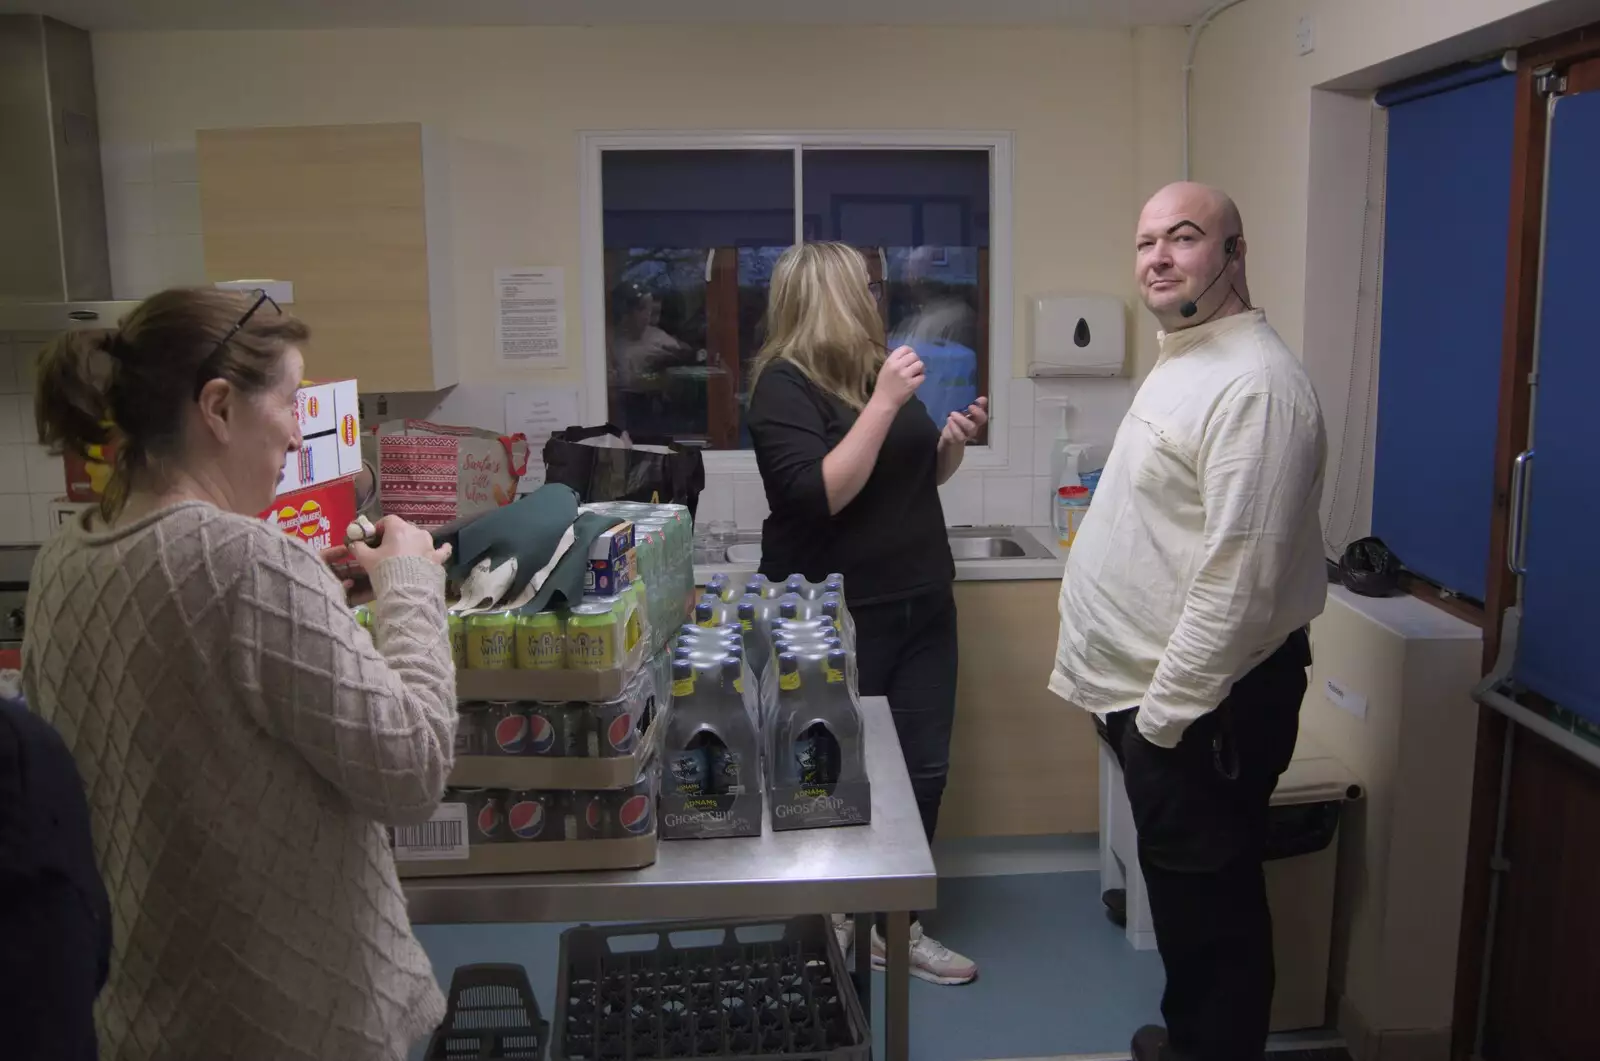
column 1561, row 592
column 1444, row 273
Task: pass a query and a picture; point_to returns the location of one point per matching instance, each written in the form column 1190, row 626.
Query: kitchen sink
column 966, row 543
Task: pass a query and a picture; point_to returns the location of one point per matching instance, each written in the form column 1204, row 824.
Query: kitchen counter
column 1048, row 566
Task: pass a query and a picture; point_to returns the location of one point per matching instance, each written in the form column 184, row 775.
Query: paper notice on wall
column 531, row 322
column 539, row 412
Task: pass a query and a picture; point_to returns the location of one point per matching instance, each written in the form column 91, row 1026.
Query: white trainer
column 844, row 930
column 930, row 960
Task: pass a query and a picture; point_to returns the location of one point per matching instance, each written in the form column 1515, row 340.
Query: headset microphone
column 1189, row 309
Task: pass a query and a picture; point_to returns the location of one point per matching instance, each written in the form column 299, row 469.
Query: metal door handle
column 1516, row 536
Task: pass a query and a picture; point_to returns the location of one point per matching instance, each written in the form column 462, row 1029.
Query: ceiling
column 101, row 15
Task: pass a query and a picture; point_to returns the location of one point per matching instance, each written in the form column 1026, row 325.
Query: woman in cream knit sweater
column 242, row 740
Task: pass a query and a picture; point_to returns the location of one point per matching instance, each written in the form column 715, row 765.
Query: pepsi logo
column 593, row 814
column 634, row 815
column 621, row 734
column 511, row 733
column 527, row 819
column 488, row 819
column 541, row 735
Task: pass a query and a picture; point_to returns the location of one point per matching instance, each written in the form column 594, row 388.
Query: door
column 1561, row 586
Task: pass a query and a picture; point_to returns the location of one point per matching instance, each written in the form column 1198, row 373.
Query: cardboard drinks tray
column 528, row 771
column 682, row 817
column 566, row 856
column 820, row 806
column 587, row 685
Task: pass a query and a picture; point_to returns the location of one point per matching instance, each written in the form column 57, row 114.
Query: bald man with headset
column 1184, row 611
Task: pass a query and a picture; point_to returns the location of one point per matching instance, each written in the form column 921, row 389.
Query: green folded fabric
column 528, row 530
column 565, row 583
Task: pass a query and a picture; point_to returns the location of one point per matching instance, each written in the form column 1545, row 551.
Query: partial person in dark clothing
column 55, row 920
column 852, row 464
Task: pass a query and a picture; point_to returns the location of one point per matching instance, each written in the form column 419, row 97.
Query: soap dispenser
column 1066, row 456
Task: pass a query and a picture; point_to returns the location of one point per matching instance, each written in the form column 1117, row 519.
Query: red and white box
column 330, row 424
column 317, row 515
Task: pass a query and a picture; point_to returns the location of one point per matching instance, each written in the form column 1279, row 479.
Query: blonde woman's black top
column 889, row 543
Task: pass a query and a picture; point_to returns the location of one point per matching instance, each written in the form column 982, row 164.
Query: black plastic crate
column 491, row 1016
column 737, row 991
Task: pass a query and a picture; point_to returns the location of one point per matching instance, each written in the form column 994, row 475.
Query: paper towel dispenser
column 1078, row 335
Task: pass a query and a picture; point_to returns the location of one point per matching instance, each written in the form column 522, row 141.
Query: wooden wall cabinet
column 354, row 216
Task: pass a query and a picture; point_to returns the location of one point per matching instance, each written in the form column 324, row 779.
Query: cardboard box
column 330, row 424
column 608, row 577
column 568, row 856
column 450, row 844
column 536, row 772
column 86, row 479
column 318, row 515
column 588, row 686
column 62, row 511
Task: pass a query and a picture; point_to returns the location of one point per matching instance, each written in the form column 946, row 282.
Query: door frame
column 1556, row 56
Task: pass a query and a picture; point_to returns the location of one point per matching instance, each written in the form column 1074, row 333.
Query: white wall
column 1093, row 112
column 1284, row 134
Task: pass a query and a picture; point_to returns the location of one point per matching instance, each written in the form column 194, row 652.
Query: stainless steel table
column 882, row 866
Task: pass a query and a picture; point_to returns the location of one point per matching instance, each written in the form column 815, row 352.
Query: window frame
column 1002, row 298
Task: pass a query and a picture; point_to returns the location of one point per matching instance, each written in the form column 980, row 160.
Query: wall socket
column 1305, row 35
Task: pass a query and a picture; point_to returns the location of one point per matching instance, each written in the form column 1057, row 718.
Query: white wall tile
column 13, row 469
column 183, row 259
column 16, row 418
column 47, row 475
column 1019, row 451
column 136, row 267
column 1044, row 441
column 716, row 501
column 125, row 163
column 16, row 519
column 26, row 355
column 43, row 521
column 749, row 502
column 174, row 162
column 131, row 209
column 1019, row 410
column 962, row 499
column 1042, row 501
column 1007, row 500
column 177, row 207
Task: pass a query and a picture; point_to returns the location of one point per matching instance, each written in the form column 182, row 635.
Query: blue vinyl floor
column 1057, row 977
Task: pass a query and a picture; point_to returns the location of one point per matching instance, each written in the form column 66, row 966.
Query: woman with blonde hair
column 852, row 463
column 242, row 739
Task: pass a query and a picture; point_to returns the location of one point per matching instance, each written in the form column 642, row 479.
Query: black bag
column 665, row 473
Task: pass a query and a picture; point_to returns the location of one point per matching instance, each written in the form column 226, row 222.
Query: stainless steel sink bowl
column 966, row 543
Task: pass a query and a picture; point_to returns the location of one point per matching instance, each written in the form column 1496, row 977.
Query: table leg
column 864, row 963
column 897, row 988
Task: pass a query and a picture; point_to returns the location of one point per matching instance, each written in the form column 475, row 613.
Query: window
column 682, row 232
column 1449, row 180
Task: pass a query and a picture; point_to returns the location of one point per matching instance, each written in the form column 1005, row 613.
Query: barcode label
column 440, row 838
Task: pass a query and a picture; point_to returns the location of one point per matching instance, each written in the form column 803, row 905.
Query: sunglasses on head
column 208, row 368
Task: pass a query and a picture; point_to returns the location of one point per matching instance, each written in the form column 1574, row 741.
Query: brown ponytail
column 131, row 385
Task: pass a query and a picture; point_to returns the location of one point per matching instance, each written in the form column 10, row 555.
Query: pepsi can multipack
column 486, row 820
column 471, row 729
column 615, row 728
column 533, row 815
column 505, row 728
column 555, row 729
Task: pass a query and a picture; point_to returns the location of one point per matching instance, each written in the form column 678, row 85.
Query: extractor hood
column 55, row 268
